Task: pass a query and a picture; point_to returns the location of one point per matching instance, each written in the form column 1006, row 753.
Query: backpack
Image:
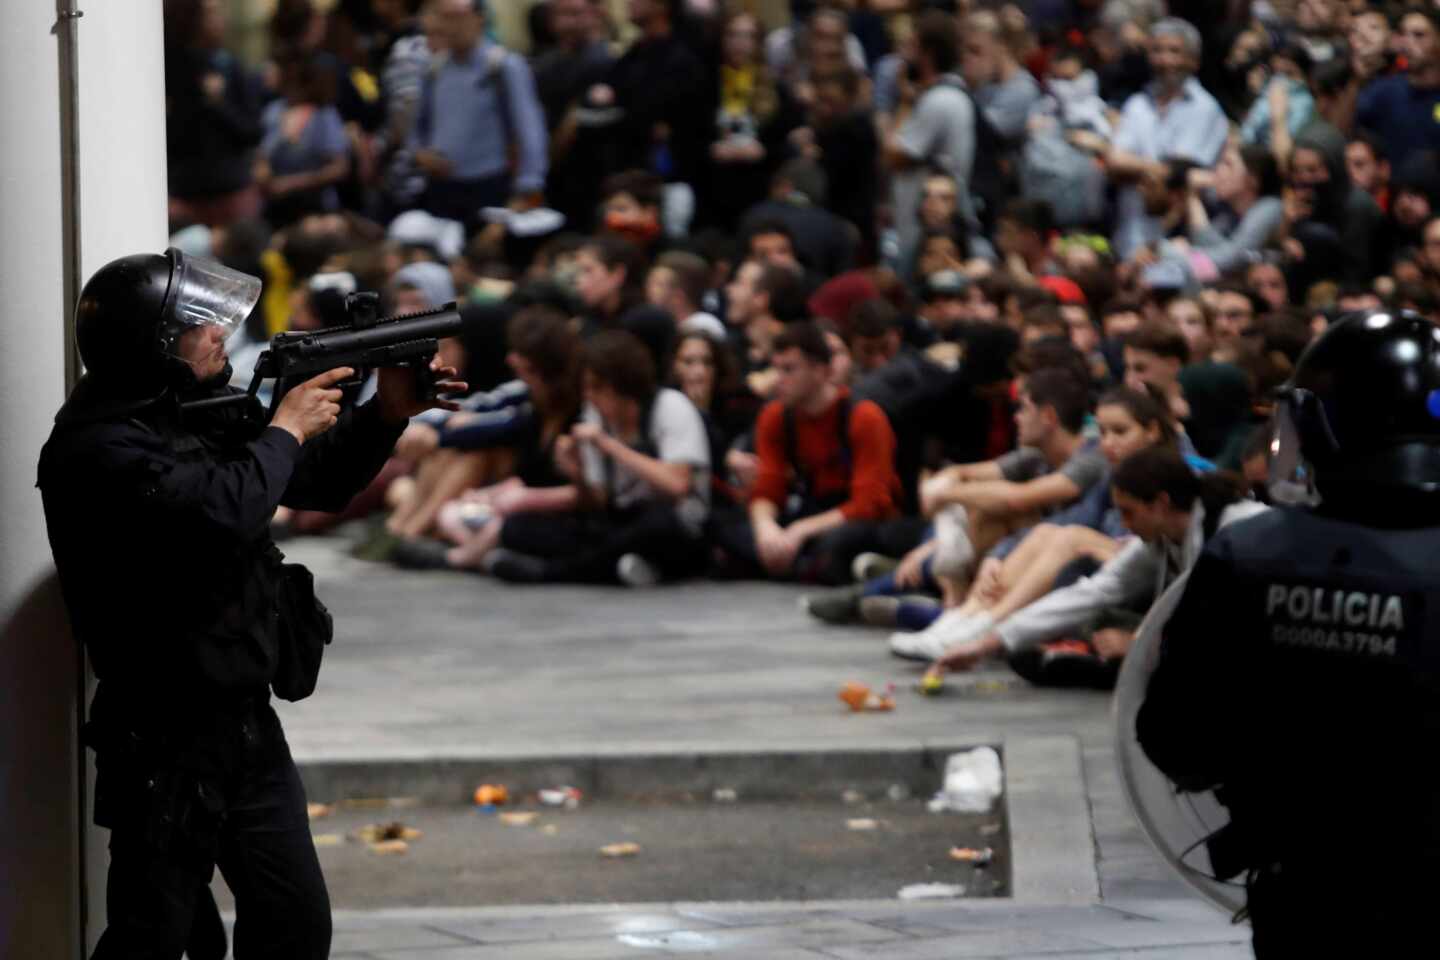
column 804, row 492
column 988, row 181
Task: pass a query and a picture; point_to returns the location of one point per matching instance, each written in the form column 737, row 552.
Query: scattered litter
column 981, row 858
column 932, row 683
column 519, row 818
column 995, row 684
column 385, row 847
column 852, row 797
column 374, row 833
column 317, row 810
column 616, row 850
column 862, row 823
column 898, row 792
column 491, row 795
column 567, row 797
column 725, row 795
column 972, row 782
column 931, row 891
column 329, row 839
column 860, row 698
column 989, row 829
column 549, row 829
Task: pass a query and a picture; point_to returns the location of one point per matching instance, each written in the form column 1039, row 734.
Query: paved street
column 431, row 672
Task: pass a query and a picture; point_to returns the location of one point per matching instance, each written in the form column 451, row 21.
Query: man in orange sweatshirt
column 826, row 488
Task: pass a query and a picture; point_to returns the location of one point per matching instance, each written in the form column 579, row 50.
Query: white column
column 122, row 177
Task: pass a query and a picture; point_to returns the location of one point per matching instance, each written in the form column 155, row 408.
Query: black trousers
column 1310, row 913
column 462, row 200
column 170, row 829
column 825, row 557
column 585, row 547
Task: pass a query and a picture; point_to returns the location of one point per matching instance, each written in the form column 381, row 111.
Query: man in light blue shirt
column 1173, row 118
column 480, row 135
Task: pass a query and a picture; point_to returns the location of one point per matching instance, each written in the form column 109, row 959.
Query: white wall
column 122, row 144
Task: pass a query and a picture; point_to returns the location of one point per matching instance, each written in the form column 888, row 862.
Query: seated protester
column 1154, row 356
column 1195, row 323
column 610, row 280
column 825, row 484
column 509, row 432
column 639, row 460
column 1219, row 397
column 1172, row 512
column 1023, row 230
column 908, row 387
column 1025, row 567
column 1246, row 186
column 1235, row 311
column 630, row 203
column 976, row 505
column 1333, row 228
column 704, row 371
column 1266, row 280
column 676, row 284
column 817, row 239
column 941, row 313
column 1043, row 323
column 763, row 300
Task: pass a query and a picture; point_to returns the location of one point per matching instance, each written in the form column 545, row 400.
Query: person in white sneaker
column 1170, row 509
column 1023, row 568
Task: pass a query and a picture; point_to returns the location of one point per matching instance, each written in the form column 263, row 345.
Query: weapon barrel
column 341, row 341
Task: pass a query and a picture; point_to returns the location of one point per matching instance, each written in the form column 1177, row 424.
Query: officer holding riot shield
column 158, row 503
column 1299, row 676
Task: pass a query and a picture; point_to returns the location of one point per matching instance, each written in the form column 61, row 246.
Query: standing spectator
column 480, row 133
column 212, row 119
column 401, row 60
column 1369, row 38
column 747, row 119
column 578, row 60
column 933, row 126
column 305, row 151
column 826, row 476
column 1246, row 185
column 1173, row 118
column 1404, row 109
column 655, row 95
column 1003, row 89
column 788, row 49
column 840, row 136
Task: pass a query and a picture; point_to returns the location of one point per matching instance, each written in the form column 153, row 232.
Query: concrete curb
column 1052, row 843
column 1051, row 839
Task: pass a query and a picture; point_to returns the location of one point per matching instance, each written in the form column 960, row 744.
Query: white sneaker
column 954, row 553
column 635, row 571
column 951, row 629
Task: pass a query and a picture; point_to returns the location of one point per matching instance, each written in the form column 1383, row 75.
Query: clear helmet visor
column 206, row 293
column 1292, row 478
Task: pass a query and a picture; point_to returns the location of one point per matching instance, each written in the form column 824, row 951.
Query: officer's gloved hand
column 313, row 407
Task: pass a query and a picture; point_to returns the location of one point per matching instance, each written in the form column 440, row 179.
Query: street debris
column 981, row 858
column 317, row 810
column 862, row 823
column 989, row 829
column 549, row 829
column 618, row 850
column 931, row 891
column 932, row 683
column 897, row 792
column 491, row 795
column 388, row 838
column 972, row 782
column 329, row 839
column 725, row 795
column 567, row 797
column 852, row 797
column 519, row 818
column 860, row 698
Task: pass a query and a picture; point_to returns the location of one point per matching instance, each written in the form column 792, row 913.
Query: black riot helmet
column 134, row 310
column 1358, row 425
